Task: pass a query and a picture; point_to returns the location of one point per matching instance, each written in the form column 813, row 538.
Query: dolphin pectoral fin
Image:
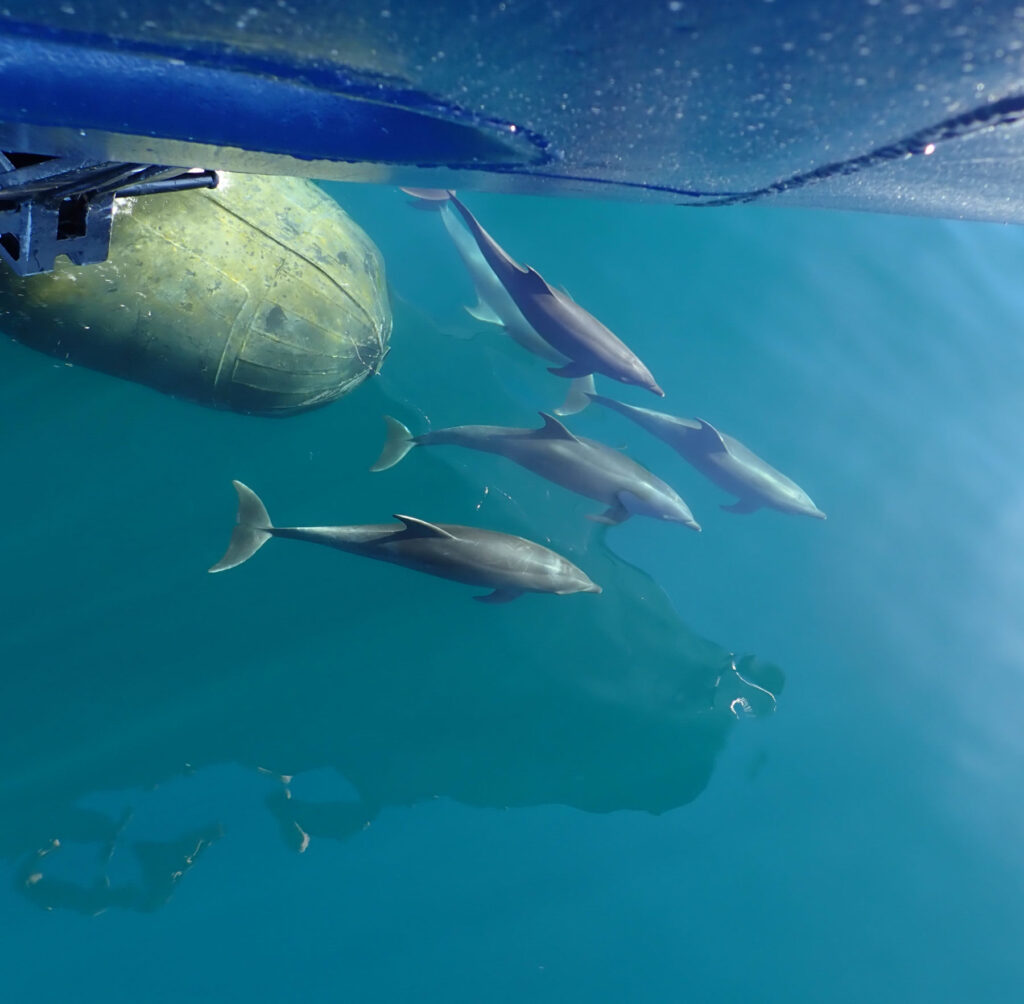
column 499, row 596
column 421, row 528
column 396, row 446
column 571, row 369
column 483, row 313
column 612, row 516
column 633, row 505
column 252, row 531
column 581, row 393
column 742, row 506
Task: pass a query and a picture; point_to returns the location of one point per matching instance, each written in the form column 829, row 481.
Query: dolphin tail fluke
column 430, row 199
column 396, row 446
column 250, row 534
column 581, row 392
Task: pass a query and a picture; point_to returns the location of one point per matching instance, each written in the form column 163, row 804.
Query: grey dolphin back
column 496, row 256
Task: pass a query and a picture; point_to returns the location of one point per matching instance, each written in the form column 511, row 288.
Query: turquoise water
column 556, row 799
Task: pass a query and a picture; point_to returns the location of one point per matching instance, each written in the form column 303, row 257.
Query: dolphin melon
column 260, row 296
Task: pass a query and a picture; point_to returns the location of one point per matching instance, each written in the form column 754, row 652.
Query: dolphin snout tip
column 593, row 588
column 657, row 390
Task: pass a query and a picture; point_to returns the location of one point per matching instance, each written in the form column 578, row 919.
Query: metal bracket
column 52, row 206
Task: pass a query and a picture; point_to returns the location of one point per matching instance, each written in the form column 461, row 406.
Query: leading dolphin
column 508, row 565
column 494, row 305
column 723, row 460
column 558, row 319
column 584, row 466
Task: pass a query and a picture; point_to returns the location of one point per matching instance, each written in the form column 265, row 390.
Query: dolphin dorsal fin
column 553, row 429
column 712, row 438
column 536, row 283
column 421, row 528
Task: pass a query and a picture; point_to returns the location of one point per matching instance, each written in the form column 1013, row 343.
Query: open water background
column 548, row 800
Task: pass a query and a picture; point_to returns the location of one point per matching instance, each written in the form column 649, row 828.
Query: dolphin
column 582, row 465
column 494, row 305
column 723, row 460
column 508, row 565
column 569, row 329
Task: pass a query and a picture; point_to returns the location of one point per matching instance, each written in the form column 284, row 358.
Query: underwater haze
column 779, row 760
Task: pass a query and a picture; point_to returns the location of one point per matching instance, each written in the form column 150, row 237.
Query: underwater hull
column 908, row 108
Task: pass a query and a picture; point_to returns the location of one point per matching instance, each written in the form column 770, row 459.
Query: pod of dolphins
column 548, row 323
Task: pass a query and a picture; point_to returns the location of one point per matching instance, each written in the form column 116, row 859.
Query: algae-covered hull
column 260, row 296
